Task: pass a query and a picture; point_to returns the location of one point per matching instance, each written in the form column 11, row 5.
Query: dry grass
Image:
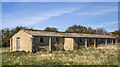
column 89, row 56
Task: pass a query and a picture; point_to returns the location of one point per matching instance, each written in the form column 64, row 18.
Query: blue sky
column 60, row 0
column 61, row 15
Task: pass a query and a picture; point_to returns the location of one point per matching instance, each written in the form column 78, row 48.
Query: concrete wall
column 80, row 42
column 75, row 43
column 37, row 45
column 69, row 44
column 25, row 41
column 57, row 45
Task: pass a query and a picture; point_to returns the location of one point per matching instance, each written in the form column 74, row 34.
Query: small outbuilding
column 36, row 40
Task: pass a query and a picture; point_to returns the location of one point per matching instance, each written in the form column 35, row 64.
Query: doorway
column 18, row 44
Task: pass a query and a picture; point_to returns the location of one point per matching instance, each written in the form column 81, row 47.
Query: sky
column 60, row 0
column 39, row 15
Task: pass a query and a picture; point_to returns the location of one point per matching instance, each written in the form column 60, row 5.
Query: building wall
column 25, row 41
column 75, row 43
column 80, row 42
column 69, row 44
column 66, row 43
column 37, row 45
column 57, row 45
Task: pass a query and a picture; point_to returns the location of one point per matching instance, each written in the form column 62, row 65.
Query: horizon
column 60, row 15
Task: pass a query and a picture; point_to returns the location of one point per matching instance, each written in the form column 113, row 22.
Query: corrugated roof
column 63, row 34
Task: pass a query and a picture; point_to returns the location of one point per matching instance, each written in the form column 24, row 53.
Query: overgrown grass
column 84, row 56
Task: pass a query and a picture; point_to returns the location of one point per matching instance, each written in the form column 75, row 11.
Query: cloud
column 109, row 26
column 28, row 20
column 98, row 11
column 60, row 12
column 105, row 24
column 29, row 16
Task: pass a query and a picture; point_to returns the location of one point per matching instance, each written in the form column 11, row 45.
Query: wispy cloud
column 34, row 18
column 61, row 15
column 98, row 11
column 105, row 24
column 109, row 26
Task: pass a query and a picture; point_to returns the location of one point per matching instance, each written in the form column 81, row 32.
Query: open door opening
column 18, row 44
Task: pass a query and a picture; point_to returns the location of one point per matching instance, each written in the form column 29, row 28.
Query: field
column 83, row 56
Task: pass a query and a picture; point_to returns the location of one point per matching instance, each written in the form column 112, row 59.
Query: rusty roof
column 63, row 34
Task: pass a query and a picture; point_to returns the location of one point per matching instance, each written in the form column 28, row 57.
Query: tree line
column 8, row 33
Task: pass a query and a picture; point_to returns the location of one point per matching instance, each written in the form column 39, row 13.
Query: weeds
column 89, row 56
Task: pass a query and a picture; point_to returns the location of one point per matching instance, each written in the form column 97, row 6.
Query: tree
column 77, row 29
column 101, row 31
column 116, row 33
column 5, row 37
column 51, row 29
column 90, row 30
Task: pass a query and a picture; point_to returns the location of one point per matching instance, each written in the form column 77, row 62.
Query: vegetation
column 52, row 29
column 89, row 30
column 8, row 33
column 116, row 32
column 89, row 56
column 77, row 29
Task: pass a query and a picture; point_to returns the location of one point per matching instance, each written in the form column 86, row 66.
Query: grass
column 84, row 56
